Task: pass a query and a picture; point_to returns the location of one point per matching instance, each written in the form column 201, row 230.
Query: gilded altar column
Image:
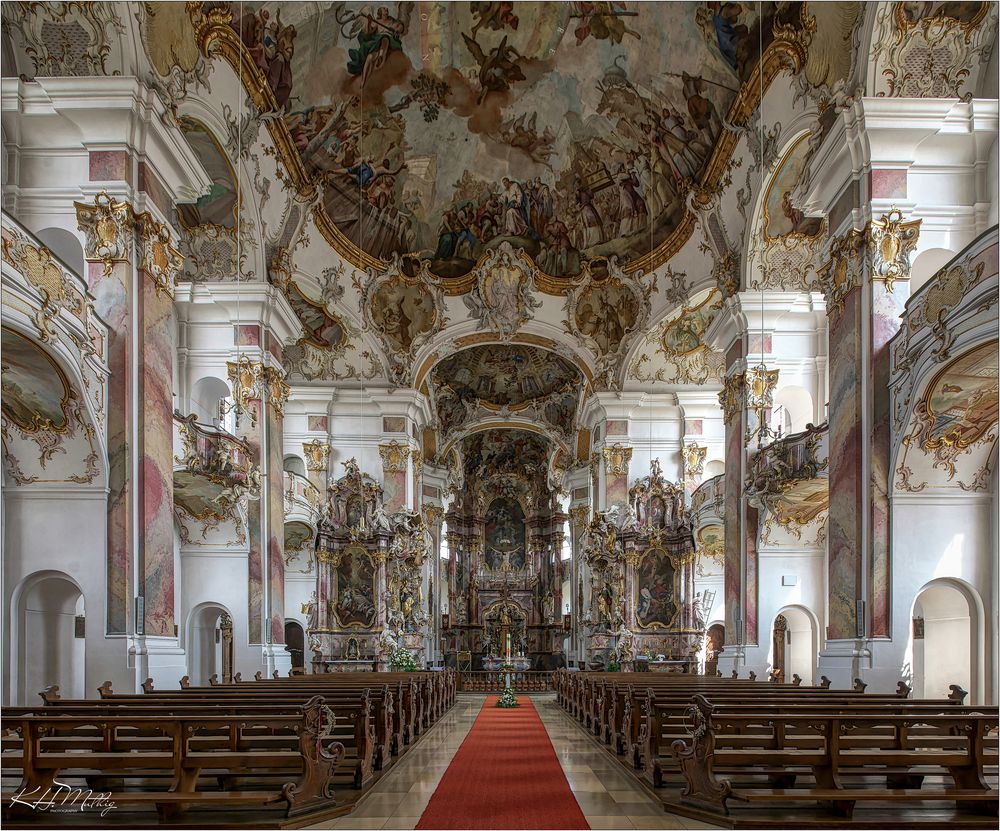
column 131, row 265
column 578, row 518
column 866, row 283
column 632, row 557
column 395, row 460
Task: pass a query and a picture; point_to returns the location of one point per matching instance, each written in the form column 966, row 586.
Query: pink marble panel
column 394, row 482
column 617, row 491
column 275, row 348
column 111, row 302
column 318, row 424
column 276, row 527
column 617, row 428
column 248, row 334
column 733, row 489
column 393, row 424
column 252, row 433
column 846, row 509
column 888, row 184
column 156, row 434
column 110, row 166
column 886, row 310
column 150, row 184
column 750, row 521
column 693, row 427
column 754, row 341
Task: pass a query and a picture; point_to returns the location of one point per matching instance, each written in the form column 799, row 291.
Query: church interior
column 500, row 415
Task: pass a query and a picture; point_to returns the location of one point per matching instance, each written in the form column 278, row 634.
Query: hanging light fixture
column 760, row 381
column 244, row 375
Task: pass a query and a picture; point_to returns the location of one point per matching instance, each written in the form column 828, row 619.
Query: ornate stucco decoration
column 732, row 396
column 502, row 297
column 931, row 50
column 67, row 39
column 680, row 347
column 433, row 514
column 726, row 272
column 158, row 257
column 617, row 458
column 579, row 516
column 170, row 44
column 317, row 455
column 111, row 227
column 56, row 287
column 890, row 243
column 276, row 388
column 107, row 226
column 404, row 311
column 760, row 384
column 843, row 271
column 246, row 380
column 694, row 460
column 395, row 456
column 605, row 312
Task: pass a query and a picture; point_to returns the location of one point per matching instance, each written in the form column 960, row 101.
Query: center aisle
column 505, row 775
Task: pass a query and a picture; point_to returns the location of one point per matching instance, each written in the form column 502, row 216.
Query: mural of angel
column 494, row 16
column 602, row 21
column 498, row 68
column 377, row 35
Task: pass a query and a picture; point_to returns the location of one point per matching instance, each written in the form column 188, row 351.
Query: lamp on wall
column 760, row 381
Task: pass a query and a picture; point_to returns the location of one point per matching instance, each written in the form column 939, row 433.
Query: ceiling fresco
column 217, row 207
column 573, row 130
column 36, row 394
column 479, row 381
column 498, row 452
column 505, row 375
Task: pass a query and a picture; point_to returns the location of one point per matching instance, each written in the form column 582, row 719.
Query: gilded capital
column 433, row 514
column 890, row 243
column 842, row 273
column 276, row 388
column 732, row 396
column 579, row 516
column 157, row 255
column 107, row 226
column 317, row 455
column 394, row 456
column 694, row 460
column 616, row 459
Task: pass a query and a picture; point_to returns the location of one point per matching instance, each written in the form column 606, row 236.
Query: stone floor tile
column 611, row 822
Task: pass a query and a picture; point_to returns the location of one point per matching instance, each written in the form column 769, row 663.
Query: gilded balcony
column 790, row 478
column 213, row 469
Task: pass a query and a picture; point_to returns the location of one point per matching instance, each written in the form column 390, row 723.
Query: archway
column 51, row 644
column 715, row 639
column 206, row 394
column 205, row 643
column 796, row 405
column 794, row 648
column 944, row 625
column 295, row 640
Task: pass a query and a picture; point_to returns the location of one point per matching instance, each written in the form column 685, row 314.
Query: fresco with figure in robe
column 571, row 129
column 218, row 206
column 656, row 586
column 355, row 603
column 504, row 532
column 494, row 452
column 961, row 404
column 35, row 391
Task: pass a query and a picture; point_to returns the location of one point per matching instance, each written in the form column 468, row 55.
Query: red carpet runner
column 505, row 775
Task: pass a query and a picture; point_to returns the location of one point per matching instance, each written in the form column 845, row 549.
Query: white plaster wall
column 64, row 530
column 219, row 577
column 935, row 536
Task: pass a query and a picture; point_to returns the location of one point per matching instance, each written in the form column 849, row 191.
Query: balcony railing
column 710, row 496
column 302, row 498
column 208, row 451
column 786, row 465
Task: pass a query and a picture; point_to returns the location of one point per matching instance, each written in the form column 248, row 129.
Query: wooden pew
column 834, row 746
column 52, row 747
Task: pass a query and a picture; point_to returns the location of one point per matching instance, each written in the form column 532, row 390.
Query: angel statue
column 311, row 611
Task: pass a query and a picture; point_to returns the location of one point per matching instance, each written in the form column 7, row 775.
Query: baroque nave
column 500, row 415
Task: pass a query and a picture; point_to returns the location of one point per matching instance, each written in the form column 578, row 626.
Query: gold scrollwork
column 617, row 458
column 394, row 456
column 317, row 455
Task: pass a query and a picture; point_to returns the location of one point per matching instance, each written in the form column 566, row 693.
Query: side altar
column 369, row 596
column 641, row 560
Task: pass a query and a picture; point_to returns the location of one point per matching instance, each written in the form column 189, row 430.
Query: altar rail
column 494, row 681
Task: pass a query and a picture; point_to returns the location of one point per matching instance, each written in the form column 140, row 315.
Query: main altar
column 505, row 572
column 641, row 559
column 369, row 596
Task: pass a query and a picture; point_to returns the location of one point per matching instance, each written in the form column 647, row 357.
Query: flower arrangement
column 614, row 666
column 402, row 660
column 507, row 698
